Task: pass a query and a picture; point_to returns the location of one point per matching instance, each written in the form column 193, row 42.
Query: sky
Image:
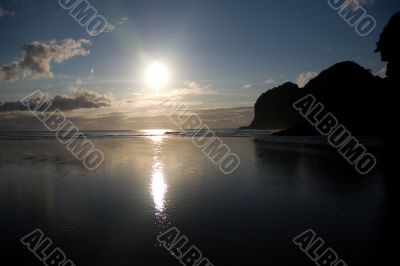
column 220, row 55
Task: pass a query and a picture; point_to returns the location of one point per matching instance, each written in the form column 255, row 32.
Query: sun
column 157, row 75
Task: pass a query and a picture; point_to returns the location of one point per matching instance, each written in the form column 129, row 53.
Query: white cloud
column 73, row 88
column 5, row 13
column 304, row 78
column 382, row 72
column 91, row 76
column 247, row 86
column 111, row 26
column 121, row 21
column 193, row 88
column 38, row 57
column 269, row 82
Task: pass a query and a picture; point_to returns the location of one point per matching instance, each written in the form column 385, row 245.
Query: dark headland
column 364, row 103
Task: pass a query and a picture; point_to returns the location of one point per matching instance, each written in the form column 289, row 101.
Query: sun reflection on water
column 158, row 185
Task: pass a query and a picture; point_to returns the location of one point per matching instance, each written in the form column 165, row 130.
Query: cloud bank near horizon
column 83, row 99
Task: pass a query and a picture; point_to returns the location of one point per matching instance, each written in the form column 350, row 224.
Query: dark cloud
column 38, row 57
column 4, row 12
column 82, row 99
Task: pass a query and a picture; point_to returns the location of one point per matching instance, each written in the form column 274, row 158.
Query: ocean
column 154, row 180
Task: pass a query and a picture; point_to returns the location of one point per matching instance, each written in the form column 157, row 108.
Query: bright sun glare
column 157, row 75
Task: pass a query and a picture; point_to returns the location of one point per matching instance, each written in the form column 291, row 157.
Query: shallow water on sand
column 147, row 184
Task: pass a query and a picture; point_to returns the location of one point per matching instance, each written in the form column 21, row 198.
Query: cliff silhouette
column 272, row 109
column 389, row 47
column 361, row 101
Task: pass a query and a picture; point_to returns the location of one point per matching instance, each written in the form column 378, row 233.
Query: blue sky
column 226, row 52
